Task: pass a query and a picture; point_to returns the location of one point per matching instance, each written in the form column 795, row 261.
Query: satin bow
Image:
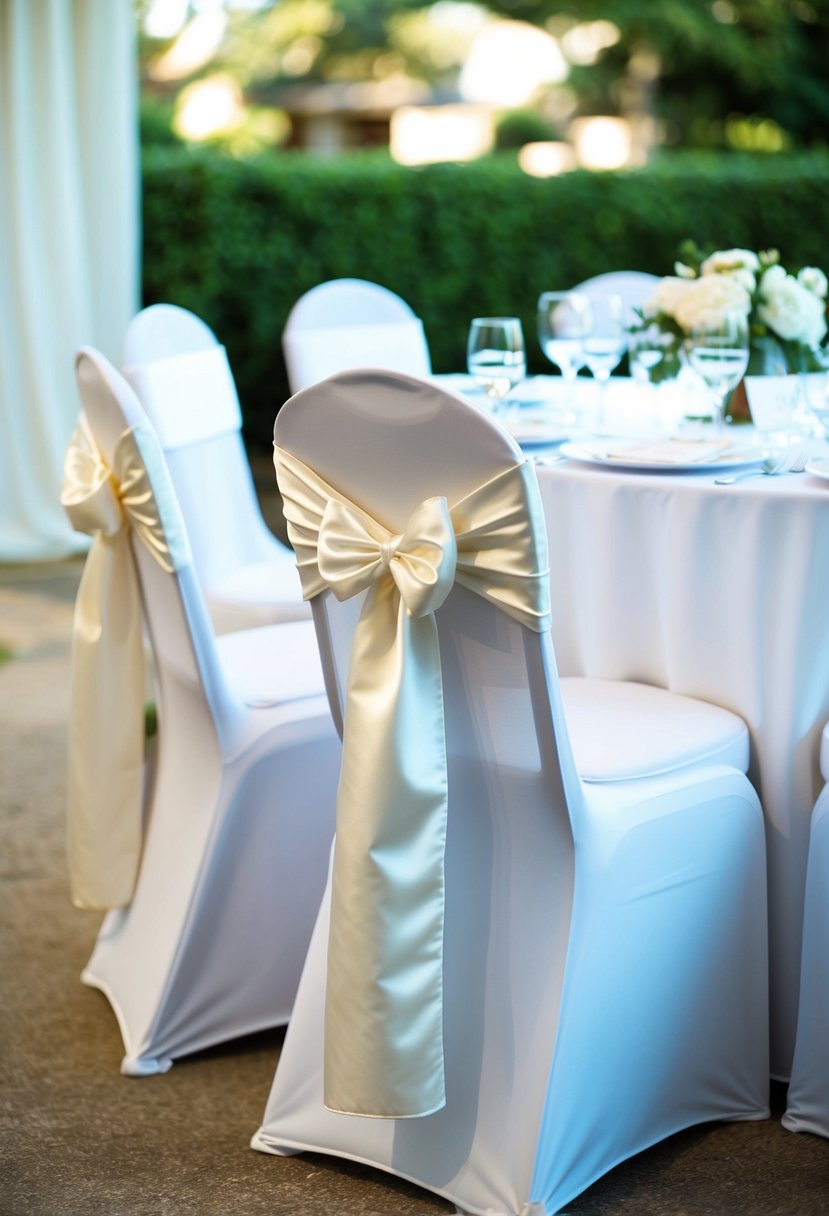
column 384, row 1013
column 354, row 551
column 106, row 733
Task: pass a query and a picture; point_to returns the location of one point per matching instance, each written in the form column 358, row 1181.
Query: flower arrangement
column 787, row 312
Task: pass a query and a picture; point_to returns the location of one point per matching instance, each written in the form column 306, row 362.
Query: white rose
column 813, row 280
column 666, row 296
column 746, row 279
column 792, row 312
column 726, row 261
column 772, row 278
column 707, row 299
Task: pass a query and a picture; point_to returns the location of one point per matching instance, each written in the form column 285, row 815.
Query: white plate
column 818, row 468
column 596, row 452
column 535, row 432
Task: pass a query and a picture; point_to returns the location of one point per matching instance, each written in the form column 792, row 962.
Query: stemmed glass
column 495, row 356
column 814, row 394
column 718, row 353
column 604, row 346
column 564, row 321
column 647, row 352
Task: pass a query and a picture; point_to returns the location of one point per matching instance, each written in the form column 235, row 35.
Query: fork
column 772, row 466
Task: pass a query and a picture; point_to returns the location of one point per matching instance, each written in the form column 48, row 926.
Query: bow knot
column 356, row 551
column 388, row 550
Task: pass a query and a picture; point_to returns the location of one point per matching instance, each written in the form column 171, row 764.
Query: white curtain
column 69, row 239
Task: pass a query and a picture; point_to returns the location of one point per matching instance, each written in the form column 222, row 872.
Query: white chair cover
column 228, row 867
column 181, row 376
column 807, row 1103
column 604, row 942
column 350, row 323
column 634, row 286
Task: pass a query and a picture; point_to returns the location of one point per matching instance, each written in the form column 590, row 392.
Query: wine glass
column 648, row 350
column 718, row 353
column 604, row 346
column 495, row 356
column 813, row 392
column 564, row 321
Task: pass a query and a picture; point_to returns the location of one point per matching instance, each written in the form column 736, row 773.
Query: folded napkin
column 670, row 451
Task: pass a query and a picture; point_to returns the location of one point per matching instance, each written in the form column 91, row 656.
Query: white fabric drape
column 69, row 240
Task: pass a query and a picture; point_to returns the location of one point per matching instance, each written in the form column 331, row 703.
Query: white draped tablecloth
column 722, row 593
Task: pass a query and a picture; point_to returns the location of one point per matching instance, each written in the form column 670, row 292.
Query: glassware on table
column 718, row 353
column 653, row 362
column 564, row 321
column 604, row 346
column 496, row 357
column 813, row 395
column 648, row 350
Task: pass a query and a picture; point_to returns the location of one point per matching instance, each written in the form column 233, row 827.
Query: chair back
column 182, row 378
column 173, row 605
column 351, row 323
column 634, row 286
column 388, row 442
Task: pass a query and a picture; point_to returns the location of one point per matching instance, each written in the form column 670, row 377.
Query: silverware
column 772, row 466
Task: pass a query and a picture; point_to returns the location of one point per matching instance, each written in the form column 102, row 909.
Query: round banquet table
column 722, row 593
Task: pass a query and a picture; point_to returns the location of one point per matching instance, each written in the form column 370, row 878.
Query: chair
column 807, row 1103
column 634, row 286
column 598, row 980
column 349, row 323
column 221, row 887
column 181, row 376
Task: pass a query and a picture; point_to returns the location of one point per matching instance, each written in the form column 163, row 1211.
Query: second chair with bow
column 212, row 859
column 543, row 943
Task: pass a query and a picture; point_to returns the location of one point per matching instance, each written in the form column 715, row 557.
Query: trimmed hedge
column 239, row 241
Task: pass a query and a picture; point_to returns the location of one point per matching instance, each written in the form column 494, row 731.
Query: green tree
column 713, row 72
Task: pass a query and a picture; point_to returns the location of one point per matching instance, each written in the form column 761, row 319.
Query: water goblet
column 564, row 321
column 718, row 353
column 604, row 346
column 496, row 357
column 813, row 394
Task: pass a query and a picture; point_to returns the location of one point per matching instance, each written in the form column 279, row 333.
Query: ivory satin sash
column 384, row 1011
column 106, row 733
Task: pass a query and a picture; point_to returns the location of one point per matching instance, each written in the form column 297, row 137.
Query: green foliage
column 518, row 127
column 239, row 242
column 719, row 69
column 156, row 124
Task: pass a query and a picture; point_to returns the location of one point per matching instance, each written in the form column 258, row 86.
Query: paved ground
column 78, row 1139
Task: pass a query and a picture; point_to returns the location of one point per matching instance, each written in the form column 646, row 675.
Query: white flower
column 726, row 261
column 666, row 296
column 789, row 309
column 707, row 299
column 813, row 280
column 772, row 278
